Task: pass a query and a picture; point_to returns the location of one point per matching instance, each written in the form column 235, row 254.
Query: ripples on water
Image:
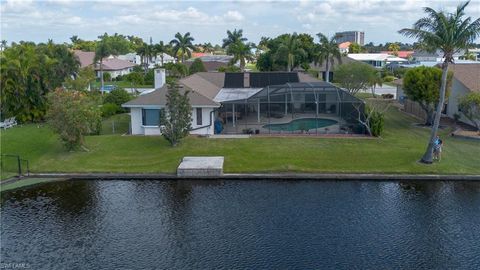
column 242, row 225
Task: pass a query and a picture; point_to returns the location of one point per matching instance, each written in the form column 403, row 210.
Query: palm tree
column 241, row 52
column 146, row 52
column 290, row 49
column 183, row 44
column 328, row 51
column 450, row 33
column 208, row 47
column 102, row 50
column 3, row 44
column 233, row 37
column 160, row 49
column 394, row 48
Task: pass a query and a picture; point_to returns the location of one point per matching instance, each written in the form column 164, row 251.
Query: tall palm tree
column 327, row 51
column 241, row 52
column 102, row 50
column 449, row 32
column 233, row 37
column 160, row 49
column 290, row 49
column 183, row 44
column 146, row 52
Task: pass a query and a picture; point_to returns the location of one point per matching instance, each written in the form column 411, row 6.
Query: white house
column 154, row 61
column 145, row 110
column 115, row 67
column 377, row 60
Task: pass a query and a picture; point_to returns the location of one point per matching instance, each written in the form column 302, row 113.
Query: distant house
column 322, row 69
column 466, row 79
column 401, row 54
column 344, row 47
column 154, row 61
column 115, row 67
column 423, row 56
column 85, row 58
column 377, row 60
column 212, row 62
column 112, row 65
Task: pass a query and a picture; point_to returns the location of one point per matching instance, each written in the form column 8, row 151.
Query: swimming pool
column 302, row 124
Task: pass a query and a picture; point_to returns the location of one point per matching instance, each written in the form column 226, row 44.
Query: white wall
column 458, row 91
column 136, row 120
column 139, row 129
column 206, row 120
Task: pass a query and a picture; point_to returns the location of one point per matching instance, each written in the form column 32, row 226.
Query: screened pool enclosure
column 289, row 108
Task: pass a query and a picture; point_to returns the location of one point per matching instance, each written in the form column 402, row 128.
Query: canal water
column 242, row 225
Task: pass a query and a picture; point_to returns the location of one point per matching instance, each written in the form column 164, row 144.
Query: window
column 151, row 117
column 199, row 116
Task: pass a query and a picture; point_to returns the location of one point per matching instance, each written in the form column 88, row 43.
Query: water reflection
column 242, row 225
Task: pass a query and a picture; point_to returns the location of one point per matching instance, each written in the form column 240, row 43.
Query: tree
column 160, row 49
column 72, row 115
column 376, row 80
column 177, row 116
column 327, row 51
column 289, row 49
column 197, row 66
column 208, row 48
column 117, row 97
column 176, row 70
column 355, row 48
column 110, row 45
column 355, row 76
column 469, row 105
column 183, row 45
column 82, row 80
column 233, row 37
column 371, row 115
column 146, row 52
column 394, row 48
column 28, row 72
column 422, row 84
column 241, row 53
column 450, row 33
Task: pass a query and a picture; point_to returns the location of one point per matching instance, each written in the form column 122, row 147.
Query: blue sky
column 208, row 21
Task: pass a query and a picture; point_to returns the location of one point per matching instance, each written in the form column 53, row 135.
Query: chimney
column 246, row 80
column 159, row 77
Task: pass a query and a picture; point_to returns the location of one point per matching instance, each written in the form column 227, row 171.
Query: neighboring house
column 344, row 47
column 115, row 67
column 85, row 58
column 249, row 102
column 401, row 54
column 423, row 56
column 154, row 61
column 212, row 62
column 378, row 60
column 466, row 79
column 322, row 69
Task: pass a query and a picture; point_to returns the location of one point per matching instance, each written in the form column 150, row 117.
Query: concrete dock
column 200, row 167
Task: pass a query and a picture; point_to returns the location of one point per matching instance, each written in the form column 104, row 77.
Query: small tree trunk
column 327, row 74
column 428, row 156
column 101, row 74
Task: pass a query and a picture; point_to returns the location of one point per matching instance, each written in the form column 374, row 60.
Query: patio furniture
column 8, row 123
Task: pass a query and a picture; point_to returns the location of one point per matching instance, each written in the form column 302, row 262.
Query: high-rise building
column 351, row 36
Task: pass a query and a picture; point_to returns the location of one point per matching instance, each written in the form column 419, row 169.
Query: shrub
column 387, row 96
column 109, row 109
column 118, row 97
column 376, row 123
column 135, row 78
column 149, row 77
column 73, row 114
column 197, row 66
column 389, row 78
column 229, row 68
column 107, row 77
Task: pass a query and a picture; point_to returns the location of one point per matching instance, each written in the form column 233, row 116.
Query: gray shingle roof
column 159, row 98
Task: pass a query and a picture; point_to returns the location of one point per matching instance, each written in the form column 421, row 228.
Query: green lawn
column 397, row 152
